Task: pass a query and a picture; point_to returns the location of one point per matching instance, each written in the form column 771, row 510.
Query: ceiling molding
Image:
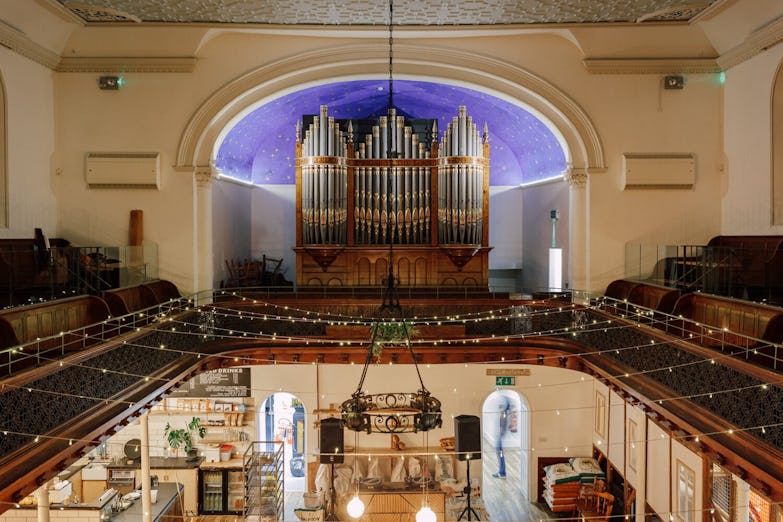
column 167, row 64
column 21, row 44
column 758, row 41
column 651, row 65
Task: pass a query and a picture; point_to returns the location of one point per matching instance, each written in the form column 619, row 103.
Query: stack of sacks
column 588, row 468
column 561, row 487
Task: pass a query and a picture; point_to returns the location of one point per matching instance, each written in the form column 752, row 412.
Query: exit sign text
column 505, row 381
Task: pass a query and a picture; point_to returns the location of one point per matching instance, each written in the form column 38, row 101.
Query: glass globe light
column 355, row 507
column 426, row 514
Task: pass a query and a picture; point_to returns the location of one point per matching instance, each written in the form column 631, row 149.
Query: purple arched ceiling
column 260, row 147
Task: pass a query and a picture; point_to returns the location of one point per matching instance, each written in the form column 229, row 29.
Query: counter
column 227, row 464
column 161, row 463
column 166, row 507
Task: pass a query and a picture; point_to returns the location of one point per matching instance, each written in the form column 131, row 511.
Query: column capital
column 576, row 177
column 204, row 175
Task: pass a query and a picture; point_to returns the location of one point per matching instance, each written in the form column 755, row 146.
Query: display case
column 221, row 491
column 263, row 468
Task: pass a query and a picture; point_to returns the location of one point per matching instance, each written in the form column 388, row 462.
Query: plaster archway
column 582, row 144
column 580, row 141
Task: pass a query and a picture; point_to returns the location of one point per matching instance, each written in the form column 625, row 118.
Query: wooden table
column 394, row 506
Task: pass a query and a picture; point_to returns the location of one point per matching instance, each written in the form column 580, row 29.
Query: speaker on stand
column 332, row 452
column 467, row 445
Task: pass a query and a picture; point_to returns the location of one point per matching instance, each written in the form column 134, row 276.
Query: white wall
column 231, row 225
column 32, row 174
column 538, row 201
column 747, row 140
column 658, row 469
column 273, row 225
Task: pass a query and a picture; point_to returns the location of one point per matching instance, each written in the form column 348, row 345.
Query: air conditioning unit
column 658, row 171
column 123, row 170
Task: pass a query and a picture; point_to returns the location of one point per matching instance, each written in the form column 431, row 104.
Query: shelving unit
column 264, row 486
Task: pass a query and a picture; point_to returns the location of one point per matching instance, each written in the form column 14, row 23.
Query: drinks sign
column 223, row 382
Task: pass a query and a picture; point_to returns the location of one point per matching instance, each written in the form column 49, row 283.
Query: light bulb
column 355, row 507
column 426, row 514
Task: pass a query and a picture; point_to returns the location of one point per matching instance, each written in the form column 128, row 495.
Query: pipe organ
column 363, row 184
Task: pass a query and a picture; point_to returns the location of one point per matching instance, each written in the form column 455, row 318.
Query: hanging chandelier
column 394, row 412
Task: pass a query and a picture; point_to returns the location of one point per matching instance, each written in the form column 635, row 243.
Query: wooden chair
column 595, row 506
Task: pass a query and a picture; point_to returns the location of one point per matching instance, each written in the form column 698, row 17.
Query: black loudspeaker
column 331, row 441
column 467, row 437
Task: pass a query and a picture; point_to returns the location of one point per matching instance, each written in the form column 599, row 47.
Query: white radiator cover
column 123, row 170
column 658, row 171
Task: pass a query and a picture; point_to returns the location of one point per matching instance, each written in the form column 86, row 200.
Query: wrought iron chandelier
column 394, row 412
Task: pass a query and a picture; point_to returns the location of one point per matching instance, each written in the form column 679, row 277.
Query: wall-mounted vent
column 658, row 171
column 123, row 170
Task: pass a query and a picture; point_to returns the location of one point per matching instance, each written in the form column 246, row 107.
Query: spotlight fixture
column 110, row 83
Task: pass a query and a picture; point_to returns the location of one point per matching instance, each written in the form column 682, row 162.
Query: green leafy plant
column 390, row 333
column 183, row 437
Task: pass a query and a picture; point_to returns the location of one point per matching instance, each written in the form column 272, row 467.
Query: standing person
column 503, row 413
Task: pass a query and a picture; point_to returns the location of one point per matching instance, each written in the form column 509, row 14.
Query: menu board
column 223, row 382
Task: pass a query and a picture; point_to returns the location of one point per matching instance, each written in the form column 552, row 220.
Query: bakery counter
column 161, row 463
column 166, row 509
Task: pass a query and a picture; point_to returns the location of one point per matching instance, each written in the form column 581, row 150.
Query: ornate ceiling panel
column 375, row 12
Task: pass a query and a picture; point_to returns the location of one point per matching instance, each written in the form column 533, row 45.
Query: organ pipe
column 391, row 164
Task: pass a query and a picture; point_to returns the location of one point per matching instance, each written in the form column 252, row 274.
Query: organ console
column 363, row 184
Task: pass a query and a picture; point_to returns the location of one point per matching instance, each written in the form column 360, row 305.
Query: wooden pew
column 45, row 322
column 723, row 322
column 654, row 297
column 123, row 301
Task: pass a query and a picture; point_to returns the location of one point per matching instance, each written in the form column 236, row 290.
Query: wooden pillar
column 136, row 236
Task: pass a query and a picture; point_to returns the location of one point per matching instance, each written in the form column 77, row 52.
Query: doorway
column 281, row 418
column 504, row 453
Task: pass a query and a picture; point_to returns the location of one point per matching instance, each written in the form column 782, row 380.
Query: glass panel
column 236, row 491
column 686, row 480
column 212, row 494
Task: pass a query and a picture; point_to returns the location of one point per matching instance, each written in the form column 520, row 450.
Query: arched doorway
column 504, row 449
column 281, row 418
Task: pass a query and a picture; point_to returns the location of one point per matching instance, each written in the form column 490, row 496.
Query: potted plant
column 183, row 437
column 389, row 333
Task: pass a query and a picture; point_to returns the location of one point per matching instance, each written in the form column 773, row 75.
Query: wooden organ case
column 431, row 198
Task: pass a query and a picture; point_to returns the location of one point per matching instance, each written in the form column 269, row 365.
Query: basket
column 313, row 500
column 309, row 515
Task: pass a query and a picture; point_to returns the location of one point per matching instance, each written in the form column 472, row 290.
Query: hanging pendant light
column 394, row 412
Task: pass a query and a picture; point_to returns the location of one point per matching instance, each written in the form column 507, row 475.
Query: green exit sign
column 505, row 381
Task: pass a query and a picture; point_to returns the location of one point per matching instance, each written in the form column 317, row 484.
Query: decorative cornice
column 98, row 64
column 651, row 65
column 760, row 40
column 21, row 44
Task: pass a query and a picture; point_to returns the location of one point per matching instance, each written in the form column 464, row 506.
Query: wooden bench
column 654, row 297
column 44, row 322
column 723, row 322
column 123, row 301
